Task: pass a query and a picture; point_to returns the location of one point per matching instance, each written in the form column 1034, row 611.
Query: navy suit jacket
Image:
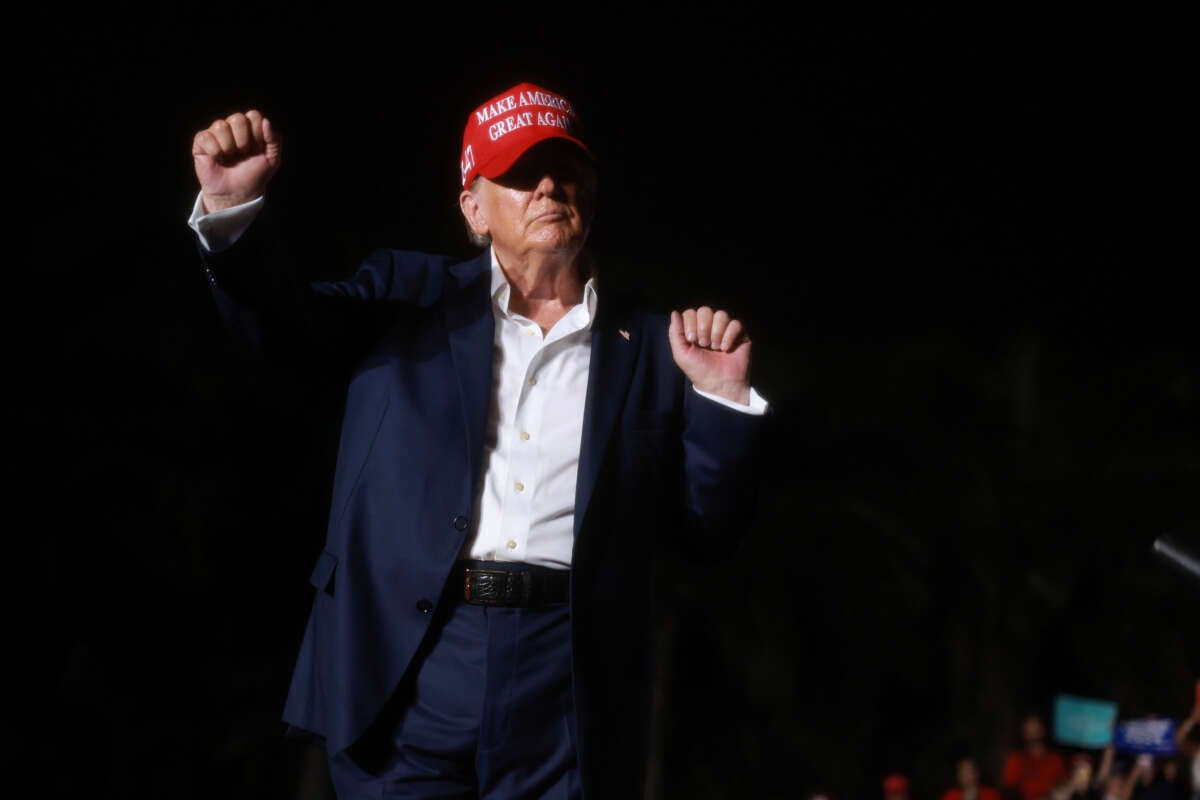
column 412, row 336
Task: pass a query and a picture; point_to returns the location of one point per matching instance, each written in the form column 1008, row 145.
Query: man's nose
column 549, row 184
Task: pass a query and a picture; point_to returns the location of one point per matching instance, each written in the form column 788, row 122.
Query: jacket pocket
column 323, row 572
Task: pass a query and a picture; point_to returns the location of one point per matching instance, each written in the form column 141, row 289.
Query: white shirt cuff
column 220, row 229
column 757, row 406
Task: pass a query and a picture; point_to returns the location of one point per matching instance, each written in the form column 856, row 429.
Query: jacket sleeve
column 273, row 313
column 723, row 452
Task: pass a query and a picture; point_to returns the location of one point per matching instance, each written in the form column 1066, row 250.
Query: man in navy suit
column 519, row 440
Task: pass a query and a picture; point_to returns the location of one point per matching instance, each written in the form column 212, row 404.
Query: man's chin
column 565, row 245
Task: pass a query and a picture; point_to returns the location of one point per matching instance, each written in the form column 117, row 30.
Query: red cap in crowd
column 895, row 784
column 503, row 128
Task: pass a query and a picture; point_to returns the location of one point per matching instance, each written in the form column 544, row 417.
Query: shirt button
column 520, row 486
column 460, row 523
column 524, row 436
column 533, row 381
column 512, row 545
column 424, row 606
column 529, row 332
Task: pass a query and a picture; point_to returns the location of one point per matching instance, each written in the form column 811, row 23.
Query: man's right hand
column 235, row 159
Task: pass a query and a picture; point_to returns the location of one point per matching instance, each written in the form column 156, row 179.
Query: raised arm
column 1106, row 766
column 723, row 429
column 1184, row 728
column 260, row 280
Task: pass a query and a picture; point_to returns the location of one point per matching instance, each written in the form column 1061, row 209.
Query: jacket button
column 460, row 523
column 424, row 606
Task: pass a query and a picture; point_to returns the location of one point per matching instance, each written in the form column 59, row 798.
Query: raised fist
column 235, row 159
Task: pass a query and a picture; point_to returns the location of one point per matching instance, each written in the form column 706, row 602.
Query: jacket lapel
column 614, row 353
column 471, row 328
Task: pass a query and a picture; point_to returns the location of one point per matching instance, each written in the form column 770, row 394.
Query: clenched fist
column 235, row 159
column 713, row 351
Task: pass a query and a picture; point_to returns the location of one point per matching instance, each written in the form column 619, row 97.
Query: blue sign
column 1083, row 721
column 1154, row 735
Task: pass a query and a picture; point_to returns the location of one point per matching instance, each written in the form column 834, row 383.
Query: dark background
column 948, row 233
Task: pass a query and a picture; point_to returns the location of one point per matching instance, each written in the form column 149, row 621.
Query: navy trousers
column 485, row 711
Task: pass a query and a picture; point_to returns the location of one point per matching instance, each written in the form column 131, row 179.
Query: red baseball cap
column 895, row 784
column 503, row 128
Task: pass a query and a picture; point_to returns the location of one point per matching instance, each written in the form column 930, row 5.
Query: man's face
column 544, row 203
column 968, row 775
column 1034, row 732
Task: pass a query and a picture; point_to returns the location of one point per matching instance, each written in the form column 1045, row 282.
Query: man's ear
column 472, row 211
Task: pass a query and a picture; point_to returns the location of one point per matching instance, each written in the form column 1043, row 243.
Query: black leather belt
column 496, row 583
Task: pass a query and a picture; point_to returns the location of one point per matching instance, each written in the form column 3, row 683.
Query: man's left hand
column 713, row 351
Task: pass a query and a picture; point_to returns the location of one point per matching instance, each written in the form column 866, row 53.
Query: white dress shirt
column 525, row 508
column 525, row 504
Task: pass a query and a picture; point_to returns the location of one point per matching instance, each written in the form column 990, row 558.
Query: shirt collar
column 500, row 291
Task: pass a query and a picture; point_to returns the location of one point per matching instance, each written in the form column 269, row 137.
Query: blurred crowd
column 1038, row 769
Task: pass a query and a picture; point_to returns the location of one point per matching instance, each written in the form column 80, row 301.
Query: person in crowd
column 1148, row 781
column 1115, row 786
column 1035, row 769
column 967, row 785
column 896, row 787
column 1083, row 780
column 1176, row 772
